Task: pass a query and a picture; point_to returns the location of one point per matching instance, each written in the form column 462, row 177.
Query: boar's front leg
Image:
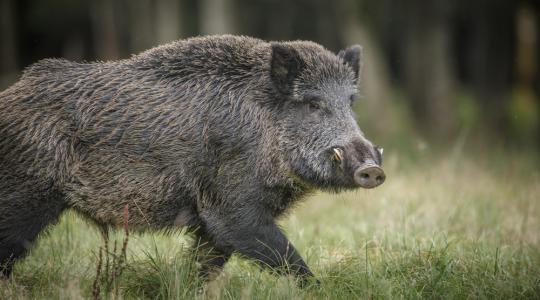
column 210, row 258
column 254, row 234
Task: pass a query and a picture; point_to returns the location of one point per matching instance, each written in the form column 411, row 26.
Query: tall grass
column 450, row 227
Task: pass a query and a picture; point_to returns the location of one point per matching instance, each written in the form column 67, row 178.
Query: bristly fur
column 207, row 133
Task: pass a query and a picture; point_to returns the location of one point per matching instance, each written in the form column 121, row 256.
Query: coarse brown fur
column 205, row 133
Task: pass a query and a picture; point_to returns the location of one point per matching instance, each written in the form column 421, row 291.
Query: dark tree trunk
column 316, row 20
column 141, row 25
column 105, row 32
column 215, row 17
column 428, row 74
column 168, row 20
column 8, row 45
column 489, row 57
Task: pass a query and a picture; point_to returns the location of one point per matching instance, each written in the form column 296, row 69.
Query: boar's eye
column 314, row 106
column 313, row 102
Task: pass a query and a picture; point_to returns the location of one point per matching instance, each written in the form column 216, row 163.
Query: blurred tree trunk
column 315, row 20
column 141, row 25
column 374, row 81
column 215, row 17
column 524, row 108
column 489, row 57
column 105, row 30
column 8, row 45
column 535, row 6
column 167, row 21
column 428, row 74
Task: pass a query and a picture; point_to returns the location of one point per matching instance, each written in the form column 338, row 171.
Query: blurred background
column 438, row 74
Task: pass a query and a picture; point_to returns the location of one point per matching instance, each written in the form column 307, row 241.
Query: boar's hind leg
column 25, row 210
column 210, row 258
column 258, row 238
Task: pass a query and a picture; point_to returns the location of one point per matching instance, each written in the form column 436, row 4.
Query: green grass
column 451, row 227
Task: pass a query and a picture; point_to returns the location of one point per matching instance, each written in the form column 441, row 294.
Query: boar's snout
column 360, row 162
column 369, row 176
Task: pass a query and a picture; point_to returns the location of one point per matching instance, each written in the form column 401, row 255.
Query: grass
column 450, row 227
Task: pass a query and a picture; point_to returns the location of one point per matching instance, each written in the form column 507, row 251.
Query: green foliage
column 468, row 114
column 524, row 116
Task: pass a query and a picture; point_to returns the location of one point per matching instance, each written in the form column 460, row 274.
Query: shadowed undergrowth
column 453, row 228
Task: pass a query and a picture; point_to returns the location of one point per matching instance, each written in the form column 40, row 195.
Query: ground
column 459, row 226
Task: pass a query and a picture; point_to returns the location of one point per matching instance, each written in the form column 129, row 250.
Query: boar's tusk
column 381, row 150
column 337, row 154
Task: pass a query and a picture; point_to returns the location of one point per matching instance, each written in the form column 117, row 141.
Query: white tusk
column 381, row 150
column 337, row 155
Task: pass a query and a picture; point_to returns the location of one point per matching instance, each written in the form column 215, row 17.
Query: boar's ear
column 285, row 66
column 352, row 57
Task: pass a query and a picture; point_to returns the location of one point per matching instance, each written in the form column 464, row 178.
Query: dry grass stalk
column 115, row 263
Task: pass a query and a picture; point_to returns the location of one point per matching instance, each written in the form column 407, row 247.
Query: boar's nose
column 369, row 176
